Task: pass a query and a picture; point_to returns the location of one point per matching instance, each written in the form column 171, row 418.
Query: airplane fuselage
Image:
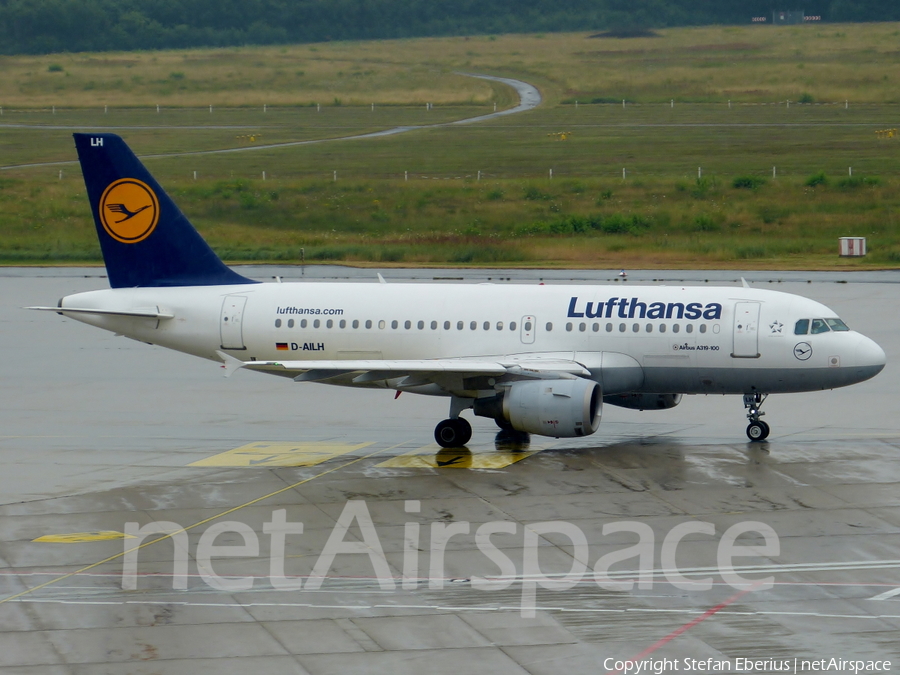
column 688, row 340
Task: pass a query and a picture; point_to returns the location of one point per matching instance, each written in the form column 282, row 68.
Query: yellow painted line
column 82, row 537
column 279, row 454
column 87, row 568
column 434, row 457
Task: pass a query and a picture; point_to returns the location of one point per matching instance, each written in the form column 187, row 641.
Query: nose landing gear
column 757, row 430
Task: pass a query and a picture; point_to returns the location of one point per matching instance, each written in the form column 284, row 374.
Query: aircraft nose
column 870, row 356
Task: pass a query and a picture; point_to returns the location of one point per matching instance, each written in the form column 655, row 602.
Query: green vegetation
column 392, row 221
column 481, row 193
column 102, row 25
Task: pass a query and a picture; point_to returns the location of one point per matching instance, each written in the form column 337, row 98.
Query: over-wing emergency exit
column 535, row 359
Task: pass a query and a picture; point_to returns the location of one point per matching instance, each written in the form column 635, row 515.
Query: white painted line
column 887, row 595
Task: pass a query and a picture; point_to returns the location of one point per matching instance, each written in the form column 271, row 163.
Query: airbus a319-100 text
column 537, row 359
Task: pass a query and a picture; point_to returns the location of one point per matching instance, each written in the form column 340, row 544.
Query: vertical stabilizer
column 146, row 240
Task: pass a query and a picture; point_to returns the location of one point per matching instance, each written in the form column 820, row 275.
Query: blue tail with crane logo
column 145, row 238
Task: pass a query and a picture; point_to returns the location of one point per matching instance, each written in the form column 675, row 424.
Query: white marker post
column 551, row 174
column 265, row 107
column 264, row 175
column 335, row 176
column 60, row 175
column 850, row 170
column 157, row 108
column 195, row 175
column 773, row 173
column 672, row 105
column 105, row 109
column 729, row 104
column 210, row 110
column 406, row 176
column 699, row 173
column 318, row 107
column 623, row 173
column 495, row 106
column 373, row 107
column 623, row 104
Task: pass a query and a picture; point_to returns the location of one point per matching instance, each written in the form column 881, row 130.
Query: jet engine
column 644, row 401
column 559, row 408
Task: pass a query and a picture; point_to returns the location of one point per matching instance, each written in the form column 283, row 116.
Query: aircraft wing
column 450, row 374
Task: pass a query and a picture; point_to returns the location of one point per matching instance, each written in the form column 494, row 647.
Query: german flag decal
column 281, row 346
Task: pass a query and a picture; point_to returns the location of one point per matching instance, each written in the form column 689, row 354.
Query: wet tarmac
column 495, row 559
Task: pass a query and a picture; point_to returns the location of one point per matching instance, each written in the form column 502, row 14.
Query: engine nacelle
column 644, row 401
column 558, row 408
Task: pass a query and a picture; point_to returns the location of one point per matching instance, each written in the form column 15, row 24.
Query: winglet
column 744, row 283
column 229, row 363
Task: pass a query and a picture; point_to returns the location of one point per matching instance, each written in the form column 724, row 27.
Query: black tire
column 757, row 431
column 453, row 433
column 503, row 425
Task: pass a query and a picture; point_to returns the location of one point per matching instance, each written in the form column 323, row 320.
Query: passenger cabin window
column 801, row 327
column 837, row 325
column 512, row 325
column 819, row 326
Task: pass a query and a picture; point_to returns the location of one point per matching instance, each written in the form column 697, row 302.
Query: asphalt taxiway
column 100, row 435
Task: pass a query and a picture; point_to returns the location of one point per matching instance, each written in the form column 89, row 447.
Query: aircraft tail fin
column 145, row 239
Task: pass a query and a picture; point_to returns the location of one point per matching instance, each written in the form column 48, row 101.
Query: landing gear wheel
column 453, row 433
column 757, row 431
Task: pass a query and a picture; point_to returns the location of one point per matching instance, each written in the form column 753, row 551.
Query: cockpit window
column 836, row 325
column 801, row 327
column 819, row 326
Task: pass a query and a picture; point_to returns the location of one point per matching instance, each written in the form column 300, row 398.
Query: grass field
column 677, row 120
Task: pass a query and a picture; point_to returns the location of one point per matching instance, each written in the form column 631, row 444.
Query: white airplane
column 538, row 359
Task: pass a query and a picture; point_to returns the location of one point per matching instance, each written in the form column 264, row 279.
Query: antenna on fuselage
column 381, row 279
column 744, row 283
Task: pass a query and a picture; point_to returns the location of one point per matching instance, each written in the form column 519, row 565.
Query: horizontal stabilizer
column 149, row 313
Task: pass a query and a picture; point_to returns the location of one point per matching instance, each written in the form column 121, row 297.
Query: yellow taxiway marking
column 279, row 454
column 82, row 537
column 433, row 457
column 252, row 502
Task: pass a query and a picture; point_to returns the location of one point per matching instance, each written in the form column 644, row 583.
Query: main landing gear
column 454, row 432
column 757, row 430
